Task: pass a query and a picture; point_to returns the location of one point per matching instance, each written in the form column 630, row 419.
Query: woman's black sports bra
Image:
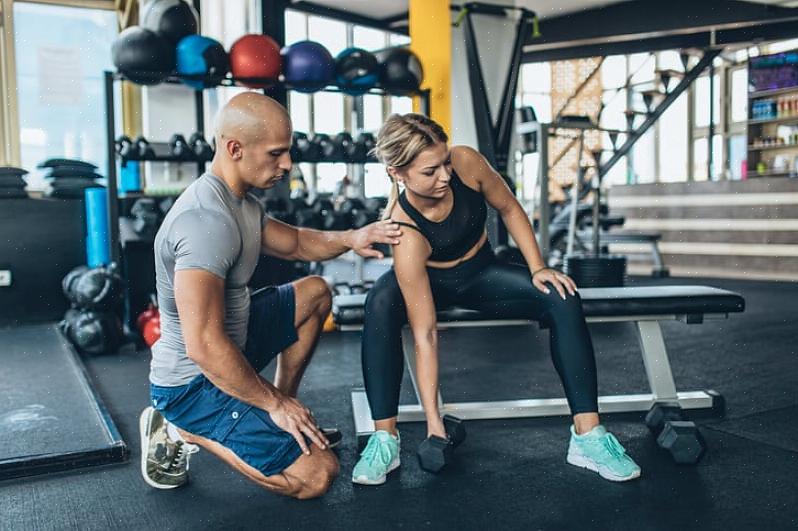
column 454, row 236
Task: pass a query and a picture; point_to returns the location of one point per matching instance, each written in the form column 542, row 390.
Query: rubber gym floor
column 509, row 474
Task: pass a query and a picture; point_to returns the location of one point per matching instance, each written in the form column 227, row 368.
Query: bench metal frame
column 659, row 270
column 655, row 361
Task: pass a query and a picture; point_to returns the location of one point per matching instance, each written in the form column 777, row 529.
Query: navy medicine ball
column 308, row 66
column 400, row 71
column 174, row 19
column 356, row 71
column 202, row 56
column 143, row 56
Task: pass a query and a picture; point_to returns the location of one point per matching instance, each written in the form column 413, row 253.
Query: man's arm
column 199, row 295
column 292, row 243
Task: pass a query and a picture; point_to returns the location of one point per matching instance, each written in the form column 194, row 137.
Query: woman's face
column 429, row 174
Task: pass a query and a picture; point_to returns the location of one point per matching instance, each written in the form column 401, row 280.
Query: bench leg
column 659, row 271
column 655, row 360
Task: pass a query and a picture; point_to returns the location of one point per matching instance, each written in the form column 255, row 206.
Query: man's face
column 266, row 161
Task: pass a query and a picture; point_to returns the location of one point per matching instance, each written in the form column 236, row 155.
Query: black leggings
column 497, row 289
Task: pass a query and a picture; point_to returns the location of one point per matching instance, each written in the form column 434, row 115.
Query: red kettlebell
column 152, row 329
column 146, row 315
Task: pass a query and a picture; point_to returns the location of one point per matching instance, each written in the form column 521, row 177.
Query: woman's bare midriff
column 470, row 254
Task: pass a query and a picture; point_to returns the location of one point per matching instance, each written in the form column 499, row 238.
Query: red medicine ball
column 255, row 56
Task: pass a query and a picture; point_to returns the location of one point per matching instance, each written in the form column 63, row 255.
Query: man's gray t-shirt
column 207, row 228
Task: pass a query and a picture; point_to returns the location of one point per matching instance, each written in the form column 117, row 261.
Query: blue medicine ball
column 201, row 56
column 356, row 71
column 308, row 66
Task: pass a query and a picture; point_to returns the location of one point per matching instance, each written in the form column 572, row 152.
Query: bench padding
column 596, row 302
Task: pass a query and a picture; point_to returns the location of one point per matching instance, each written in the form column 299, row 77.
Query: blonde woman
column 443, row 257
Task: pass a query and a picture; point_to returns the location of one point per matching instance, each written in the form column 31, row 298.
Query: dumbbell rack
column 113, row 195
column 114, row 200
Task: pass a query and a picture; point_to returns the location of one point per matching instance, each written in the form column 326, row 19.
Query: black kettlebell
column 179, row 148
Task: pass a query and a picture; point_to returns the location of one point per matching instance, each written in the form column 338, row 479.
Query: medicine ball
column 356, row 71
column 173, row 19
column 256, row 56
column 308, row 66
column 143, row 56
column 400, row 71
column 201, row 56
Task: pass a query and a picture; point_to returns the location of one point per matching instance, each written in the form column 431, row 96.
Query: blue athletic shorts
column 202, row 409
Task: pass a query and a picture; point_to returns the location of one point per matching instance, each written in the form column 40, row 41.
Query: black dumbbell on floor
column 674, row 434
column 434, row 453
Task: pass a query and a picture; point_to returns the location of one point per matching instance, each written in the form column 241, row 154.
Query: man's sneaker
column 164, row 462
column 334, row 436
column 380, row 457
column 599, row 451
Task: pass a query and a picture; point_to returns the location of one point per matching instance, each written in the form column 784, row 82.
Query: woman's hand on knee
column 561, row 282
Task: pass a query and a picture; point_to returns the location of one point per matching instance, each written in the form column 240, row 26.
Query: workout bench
column 644, row 306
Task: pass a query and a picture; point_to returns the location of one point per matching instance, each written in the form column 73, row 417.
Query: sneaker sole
column 582, row 462
column 363, row 480
column 144, row 430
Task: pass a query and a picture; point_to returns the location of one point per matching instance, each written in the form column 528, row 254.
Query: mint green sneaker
column 599, row 451
column 379, row 457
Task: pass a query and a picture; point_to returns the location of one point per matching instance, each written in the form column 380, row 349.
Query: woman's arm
column 467, row 161
column 410, row 265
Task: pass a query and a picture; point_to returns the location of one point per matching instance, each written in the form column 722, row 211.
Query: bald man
column 216, row 337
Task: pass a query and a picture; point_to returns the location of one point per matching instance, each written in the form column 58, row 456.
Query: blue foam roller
column 98, row 246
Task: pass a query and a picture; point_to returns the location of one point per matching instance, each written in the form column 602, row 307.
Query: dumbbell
column 303, row 149
column 365, row 142
column 201, row 148
column 308, row 218
column 143, row 149
column 125, row 148
column 322, row 205
column 323, row 147
column 361, row 218
column 332, row 220
column 146, row 215
column 343, row 143
column 179, row 148
column 677, row 436
column 434, row 453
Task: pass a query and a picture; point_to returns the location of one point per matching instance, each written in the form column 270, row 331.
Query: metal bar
column 479, row 96
column 272, row 14
column 710, row 151
column 111, row 188
column 507, row 103
column 655, row 360
column 526, row 408
column 635, row 135
column 443, row 325
column 543, row 180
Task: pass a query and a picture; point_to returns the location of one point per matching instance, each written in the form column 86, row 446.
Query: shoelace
column 613, row 447
column 375, row 450
column 184, row 450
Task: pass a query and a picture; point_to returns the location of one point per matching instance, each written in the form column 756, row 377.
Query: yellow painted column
column 431, row 40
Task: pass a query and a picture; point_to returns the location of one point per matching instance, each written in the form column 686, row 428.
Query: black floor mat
column 50, row 419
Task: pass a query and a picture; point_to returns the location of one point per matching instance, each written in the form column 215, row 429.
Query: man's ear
column 234, row 149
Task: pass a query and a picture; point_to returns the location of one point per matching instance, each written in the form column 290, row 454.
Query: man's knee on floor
column 321, row 477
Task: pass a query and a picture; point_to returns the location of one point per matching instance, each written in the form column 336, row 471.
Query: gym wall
column 40, row 241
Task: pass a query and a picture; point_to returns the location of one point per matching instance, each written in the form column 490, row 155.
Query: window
column 328, row 32
column 702, row 101
column 372, row 112
column 299, row 108
column 328, row 112
column 376, row 180
column 401, row 105
column 60, row 84
column 673, row 142
column 739, row 95
column 296, row 26
column 368, row 38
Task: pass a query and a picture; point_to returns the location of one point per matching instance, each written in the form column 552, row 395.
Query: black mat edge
column 115, row 451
